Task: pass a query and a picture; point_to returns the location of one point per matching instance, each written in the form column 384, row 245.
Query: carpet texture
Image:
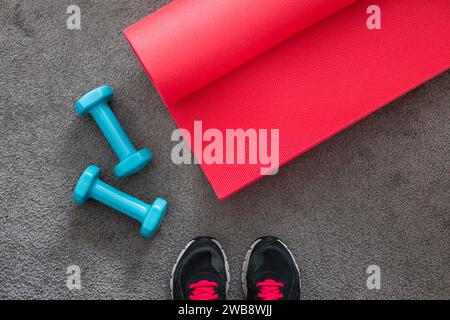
column 378, row 193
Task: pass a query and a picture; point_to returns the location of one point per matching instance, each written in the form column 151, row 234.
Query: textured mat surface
column 316, row 83
column 374, row 194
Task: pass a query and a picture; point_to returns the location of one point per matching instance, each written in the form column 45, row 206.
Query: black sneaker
column 201, row 271
column 270, row 271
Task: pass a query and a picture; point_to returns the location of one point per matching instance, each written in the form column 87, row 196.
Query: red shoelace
column 270, row 290
column 203, row 290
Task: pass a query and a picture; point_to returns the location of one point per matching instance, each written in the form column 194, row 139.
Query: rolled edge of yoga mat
column 190, row 43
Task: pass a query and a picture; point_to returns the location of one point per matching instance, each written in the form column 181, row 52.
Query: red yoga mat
column 309, row 68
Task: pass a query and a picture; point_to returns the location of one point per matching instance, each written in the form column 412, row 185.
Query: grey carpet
column 378, row 193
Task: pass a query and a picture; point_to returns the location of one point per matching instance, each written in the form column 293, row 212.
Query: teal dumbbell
column 95, row 103
column 90, row 186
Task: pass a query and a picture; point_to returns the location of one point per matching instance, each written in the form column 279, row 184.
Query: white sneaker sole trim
column 227, row 266
column 247, row 260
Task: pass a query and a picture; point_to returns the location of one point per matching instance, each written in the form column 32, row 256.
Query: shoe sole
column 247, row 260
column 227, row 266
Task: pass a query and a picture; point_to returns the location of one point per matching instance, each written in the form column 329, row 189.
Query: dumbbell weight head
column 82, row 191
column 92, row 99
column 154, row 217
column 133, row 163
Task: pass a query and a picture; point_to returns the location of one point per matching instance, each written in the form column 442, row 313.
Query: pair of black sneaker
column 202, row 271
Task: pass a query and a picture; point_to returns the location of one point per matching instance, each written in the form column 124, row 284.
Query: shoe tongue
column 270, row 283
column 203, row 284
column 203, row 276
column 267, row 275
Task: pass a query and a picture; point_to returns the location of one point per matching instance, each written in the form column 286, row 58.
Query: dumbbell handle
column 119, row 200
column 113, row 131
